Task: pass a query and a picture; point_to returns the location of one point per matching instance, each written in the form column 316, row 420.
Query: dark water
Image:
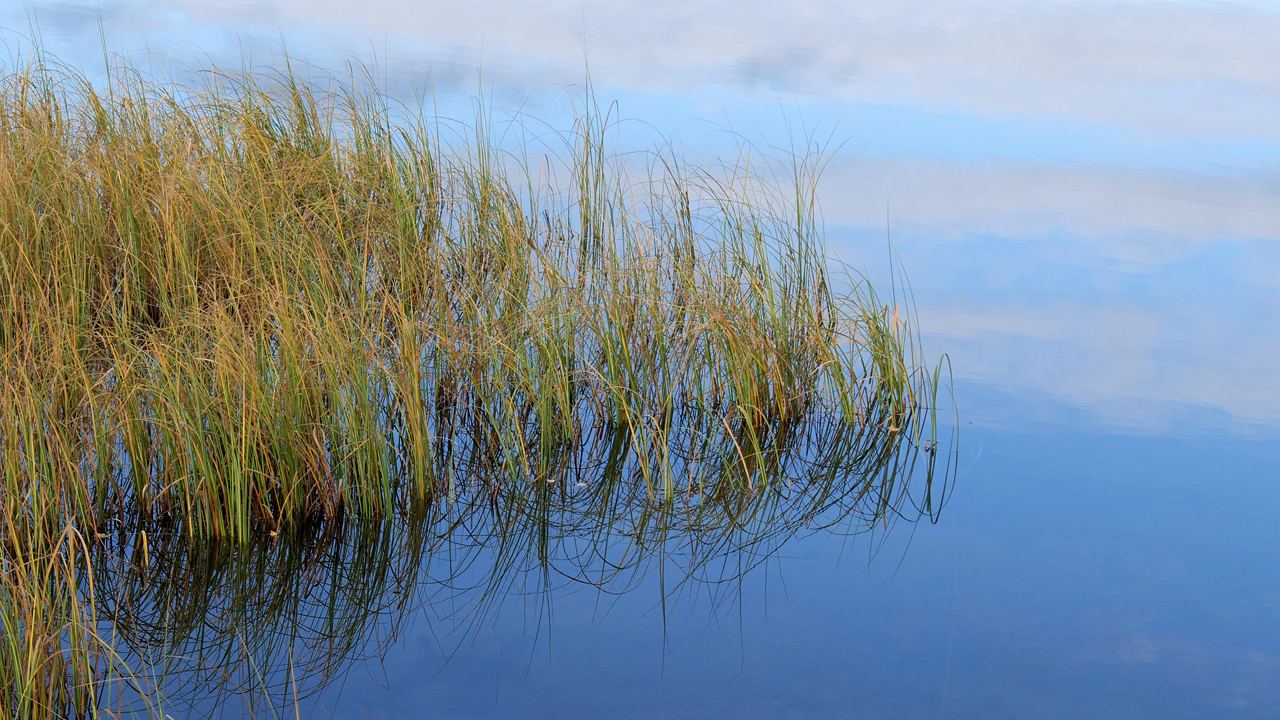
column 1084, row 196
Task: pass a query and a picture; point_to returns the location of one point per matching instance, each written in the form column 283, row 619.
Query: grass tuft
column 258, row 304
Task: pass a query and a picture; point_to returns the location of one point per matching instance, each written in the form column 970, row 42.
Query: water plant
column 254, row 305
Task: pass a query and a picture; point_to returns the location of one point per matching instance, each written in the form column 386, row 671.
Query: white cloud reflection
column 1207, row 69
column 1019, row 199
column 1124, row 366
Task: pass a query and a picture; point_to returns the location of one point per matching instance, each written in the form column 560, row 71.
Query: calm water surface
column 1084, row 195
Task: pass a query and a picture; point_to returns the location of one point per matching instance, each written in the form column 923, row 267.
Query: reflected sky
column 1194, row 69
column 1084, row 196
column 1083, row 193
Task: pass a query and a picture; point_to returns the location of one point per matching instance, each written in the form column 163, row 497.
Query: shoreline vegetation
column 254, row 309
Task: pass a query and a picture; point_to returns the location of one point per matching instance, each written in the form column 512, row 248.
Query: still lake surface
column 1085, row 198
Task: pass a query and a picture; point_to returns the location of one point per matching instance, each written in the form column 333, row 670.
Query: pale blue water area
column 1086, row 199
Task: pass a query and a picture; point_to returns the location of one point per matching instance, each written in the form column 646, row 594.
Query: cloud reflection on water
column 1137, row 297
column 1204, row 68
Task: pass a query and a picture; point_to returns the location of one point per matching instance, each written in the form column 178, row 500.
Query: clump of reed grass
column 246, row 303
column 252, row 303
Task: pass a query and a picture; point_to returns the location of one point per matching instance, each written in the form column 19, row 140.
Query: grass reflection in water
column 266, row 623
column 278, row 361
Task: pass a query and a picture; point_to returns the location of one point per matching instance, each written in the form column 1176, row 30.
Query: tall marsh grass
column 253, row 304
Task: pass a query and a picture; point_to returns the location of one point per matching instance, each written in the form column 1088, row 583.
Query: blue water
column 1084, row 196
column 1073, row 575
